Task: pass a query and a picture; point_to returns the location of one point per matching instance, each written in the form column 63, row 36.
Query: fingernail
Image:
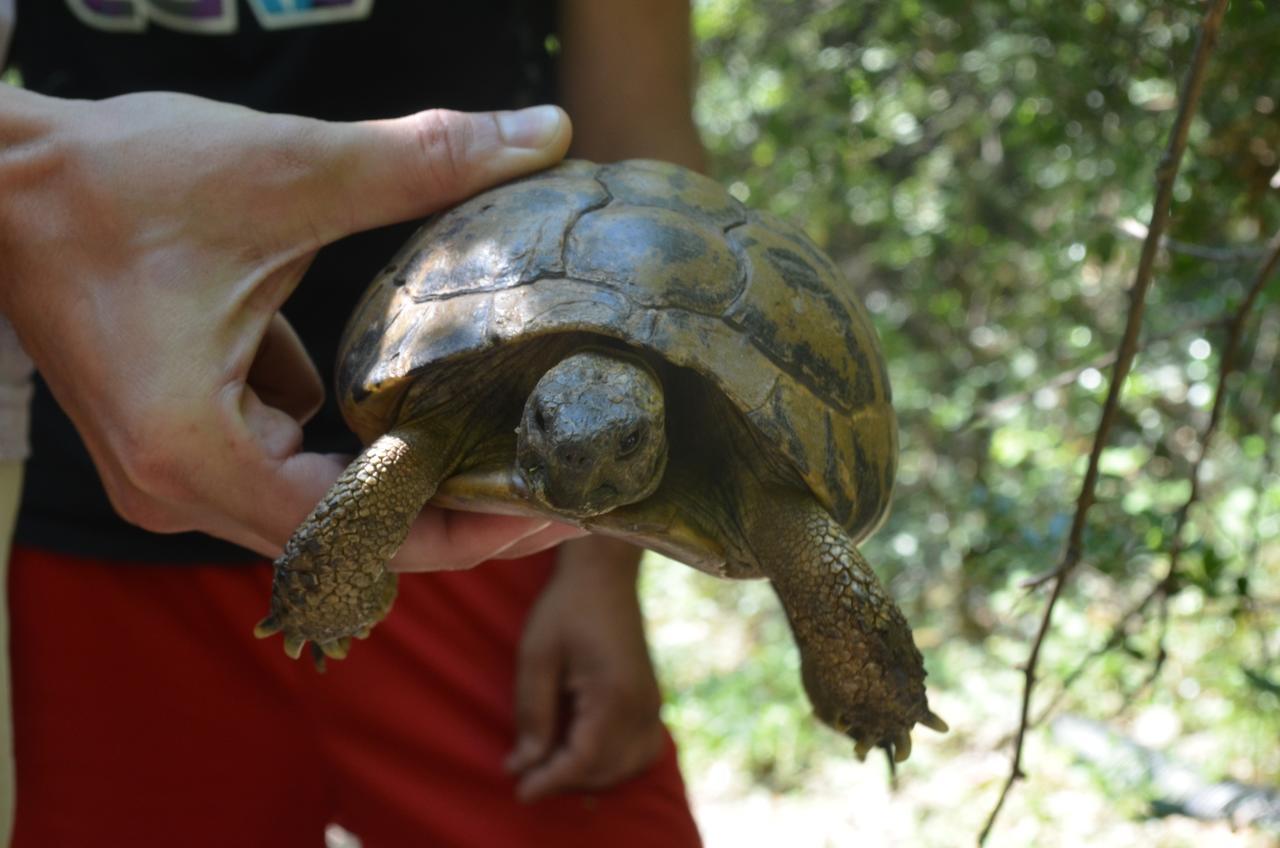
column 531, row 128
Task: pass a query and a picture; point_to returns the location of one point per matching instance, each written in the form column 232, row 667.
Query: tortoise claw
column 934, row 722
column 269, row 626
column 861, row 749
column 293, row 646
column 335, row 649
column 902, row 746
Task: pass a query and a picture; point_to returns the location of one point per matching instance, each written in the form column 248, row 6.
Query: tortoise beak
column 536, row 485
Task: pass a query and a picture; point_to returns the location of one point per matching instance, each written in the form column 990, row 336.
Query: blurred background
column 984, row 172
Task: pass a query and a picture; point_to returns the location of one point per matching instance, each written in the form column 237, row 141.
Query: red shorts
column 146, row 714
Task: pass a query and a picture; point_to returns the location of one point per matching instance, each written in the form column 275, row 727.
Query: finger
column 395, row 170
column 449, row 540
column 548, row 537
column 599, row 752
column 271, row 487
column 283, row 375
column 537, row 705
column 273, row 498
column 226, row 480
column 572, row 766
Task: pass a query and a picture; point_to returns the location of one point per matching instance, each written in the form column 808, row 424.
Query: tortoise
column 627, row 348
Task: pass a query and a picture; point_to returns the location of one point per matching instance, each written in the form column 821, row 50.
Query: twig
column 1252, row 556
column 1165, row 174
column 1119, row 632
column 1058, row 381
column 1226, row 366
column 1166, row 585
column 1135, row 229
column 1157, row 665
column 1067, row 376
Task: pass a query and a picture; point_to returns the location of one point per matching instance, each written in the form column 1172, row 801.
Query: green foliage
column 980, row 170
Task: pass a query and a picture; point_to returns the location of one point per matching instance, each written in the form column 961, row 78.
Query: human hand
column 587, row 701
column 149, row 241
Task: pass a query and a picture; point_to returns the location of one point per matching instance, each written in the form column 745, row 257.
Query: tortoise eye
column 629, row 443
column 540, row 419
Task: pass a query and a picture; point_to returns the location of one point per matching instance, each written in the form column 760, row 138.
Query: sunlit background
column 984, row 171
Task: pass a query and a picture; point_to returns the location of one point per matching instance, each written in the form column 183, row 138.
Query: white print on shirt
column 213, row 17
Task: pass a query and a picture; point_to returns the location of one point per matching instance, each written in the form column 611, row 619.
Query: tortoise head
column 592, row 436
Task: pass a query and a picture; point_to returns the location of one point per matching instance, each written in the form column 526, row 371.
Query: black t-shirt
column 332, row 59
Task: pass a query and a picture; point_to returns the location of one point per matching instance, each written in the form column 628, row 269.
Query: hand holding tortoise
column 148, row 243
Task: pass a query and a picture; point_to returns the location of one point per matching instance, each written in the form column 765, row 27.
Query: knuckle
column 152, row 468
column 444, row 140
column 291, row 146
column 639, row 697
column 142, row 510
column 621, row 693
column 577, row 765
column 294, row 153
column 597, row 772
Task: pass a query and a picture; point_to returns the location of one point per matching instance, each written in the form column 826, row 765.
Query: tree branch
column 1168, row 583
column 1166, row 172
column 1134, row 229
column 1064, row 378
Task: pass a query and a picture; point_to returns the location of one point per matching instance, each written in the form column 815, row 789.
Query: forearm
column 627, row 77
column 599, row 561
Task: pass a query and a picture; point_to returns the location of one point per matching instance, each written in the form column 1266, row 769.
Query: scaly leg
column 860, row 665
column 332, row 583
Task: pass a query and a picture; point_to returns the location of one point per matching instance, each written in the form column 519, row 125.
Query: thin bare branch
column 1168, row 582
column 1226, row 366
column 1066, row 377
column 1135, row 229
column 1166, row 172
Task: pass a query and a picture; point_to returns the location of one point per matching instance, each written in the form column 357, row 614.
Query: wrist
column 599, row 560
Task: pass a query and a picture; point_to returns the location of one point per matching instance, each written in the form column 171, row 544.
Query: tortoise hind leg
column 331, row 582
column 859, row 662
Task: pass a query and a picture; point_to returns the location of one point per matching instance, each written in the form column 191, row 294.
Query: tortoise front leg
column 331, row 582
column 860, row 665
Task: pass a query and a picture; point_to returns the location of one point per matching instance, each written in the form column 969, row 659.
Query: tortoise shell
column 662, row 259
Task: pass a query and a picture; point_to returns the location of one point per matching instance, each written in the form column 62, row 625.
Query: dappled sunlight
column 987, row 183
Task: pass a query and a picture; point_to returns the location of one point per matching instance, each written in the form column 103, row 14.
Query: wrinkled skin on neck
column 592, row 436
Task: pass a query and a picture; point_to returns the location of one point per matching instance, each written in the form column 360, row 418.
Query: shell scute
column 803, row 316
column 660, row 185
column 655, row 257
column 507, row 237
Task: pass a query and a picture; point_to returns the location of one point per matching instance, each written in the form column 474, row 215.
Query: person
column 177, row 265
column 15, row 393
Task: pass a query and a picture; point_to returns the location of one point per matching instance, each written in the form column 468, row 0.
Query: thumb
column 394, row 170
